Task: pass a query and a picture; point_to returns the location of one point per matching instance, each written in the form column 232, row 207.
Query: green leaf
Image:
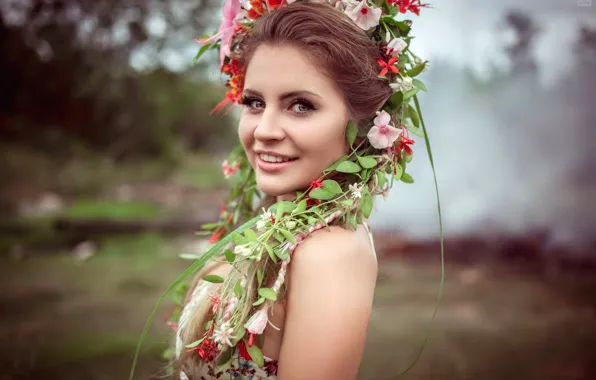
column 272, row 255
column 286, row 206
column 209, row 226
column 269, row 251
column 279, row 237
column 168, row 354
column 224, row 361
column 282, row 254
column 367, row 162
column 348, row 202
column 312, row 220
column 213, row 278
column 404, row 26
column 208, row 324
column 238, row 289
column 256, row 355
column 407, row 178
column 416, row 70
column 348, row 167
column 332, row 186
column 230, row 256
column 351, row 132
column 259, row 301
column 414, row 116
column 389, row 20
column 288, row 235
column 417, row 131
column 399, row 170
column 195, row 343
column 367, row 205
column 278, row 213
column 395, row 101
column 321, row 193
column 334, row 165
column 382, row 179
column 260, row 276
column 300, row 207
column 268, row 293
column 411, row 92
column 202, row 51
column 251, row 236
column 418, row 84
column 238, row 239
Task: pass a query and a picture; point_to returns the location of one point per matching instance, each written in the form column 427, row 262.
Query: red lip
column 273, row 167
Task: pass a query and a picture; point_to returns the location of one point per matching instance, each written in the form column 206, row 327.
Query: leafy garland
column 261, row 249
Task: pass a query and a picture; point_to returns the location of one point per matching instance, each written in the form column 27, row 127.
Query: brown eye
column 253, row 103
column 302, row 107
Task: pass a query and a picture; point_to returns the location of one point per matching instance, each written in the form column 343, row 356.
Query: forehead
column 279, row 69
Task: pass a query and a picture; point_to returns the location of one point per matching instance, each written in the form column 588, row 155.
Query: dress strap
column 370, row 235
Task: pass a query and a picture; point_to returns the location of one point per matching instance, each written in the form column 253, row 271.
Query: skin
column 308, row 125
column 331, row 280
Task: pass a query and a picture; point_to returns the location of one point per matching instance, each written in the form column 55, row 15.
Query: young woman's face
column 291, row 111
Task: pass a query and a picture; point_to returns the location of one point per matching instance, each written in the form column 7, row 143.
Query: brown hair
column 343, row 51
column 345, row 54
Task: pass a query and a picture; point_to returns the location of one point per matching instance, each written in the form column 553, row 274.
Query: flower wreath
column 260, row 250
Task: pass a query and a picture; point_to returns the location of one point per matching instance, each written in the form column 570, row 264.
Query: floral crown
column 261, row 249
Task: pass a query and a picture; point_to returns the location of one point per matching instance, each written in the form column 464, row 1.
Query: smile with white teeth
column 269, row 158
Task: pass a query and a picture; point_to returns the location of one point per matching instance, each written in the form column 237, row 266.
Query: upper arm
column 330, row 296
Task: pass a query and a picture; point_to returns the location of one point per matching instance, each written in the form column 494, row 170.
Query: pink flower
column 363, row 15
column 231, row 9
column 382, row 135
column 257, row 323
column 230, row 169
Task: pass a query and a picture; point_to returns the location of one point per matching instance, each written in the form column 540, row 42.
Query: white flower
column 265, row 218
column 363, row 15
column 223, row 334
column 382, row 135
column 402, row 84
column 356, row 190
column 396, row 45
column 290, row 224
column 257, row 323
column 243, row 250
column 183, row 376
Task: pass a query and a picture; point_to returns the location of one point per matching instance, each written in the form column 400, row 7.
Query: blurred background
column 109, row 161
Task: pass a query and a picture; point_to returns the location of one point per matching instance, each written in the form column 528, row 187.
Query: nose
column 268, row 127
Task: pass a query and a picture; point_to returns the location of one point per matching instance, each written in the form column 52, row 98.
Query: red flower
column 388, row 66
column 273, row 4
column 216, row 235
column 243, row 351
column 316, row 184
column 408, row 5
column 251, row 337
column 404, row 143
column 312, row 202
column 271, row 367
column 257, row 9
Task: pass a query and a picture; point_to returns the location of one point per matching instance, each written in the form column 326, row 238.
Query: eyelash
column 248, row 100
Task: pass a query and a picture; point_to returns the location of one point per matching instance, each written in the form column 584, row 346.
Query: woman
column 322, row 87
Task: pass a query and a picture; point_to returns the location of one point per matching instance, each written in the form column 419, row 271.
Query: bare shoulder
column 338, row 248
column 330, row 295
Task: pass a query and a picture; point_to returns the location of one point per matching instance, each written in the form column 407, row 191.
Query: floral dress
column 241, row 369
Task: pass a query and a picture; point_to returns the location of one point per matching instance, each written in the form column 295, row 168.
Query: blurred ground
column 72, row 320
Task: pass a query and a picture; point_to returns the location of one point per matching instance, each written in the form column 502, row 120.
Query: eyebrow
column 283, row 96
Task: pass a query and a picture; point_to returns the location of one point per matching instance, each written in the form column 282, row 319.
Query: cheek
column 246, row 135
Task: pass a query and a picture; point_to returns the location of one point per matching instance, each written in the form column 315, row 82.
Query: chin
column 275, row 186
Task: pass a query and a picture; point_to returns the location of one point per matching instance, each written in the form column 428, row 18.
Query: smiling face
column 293, row 122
